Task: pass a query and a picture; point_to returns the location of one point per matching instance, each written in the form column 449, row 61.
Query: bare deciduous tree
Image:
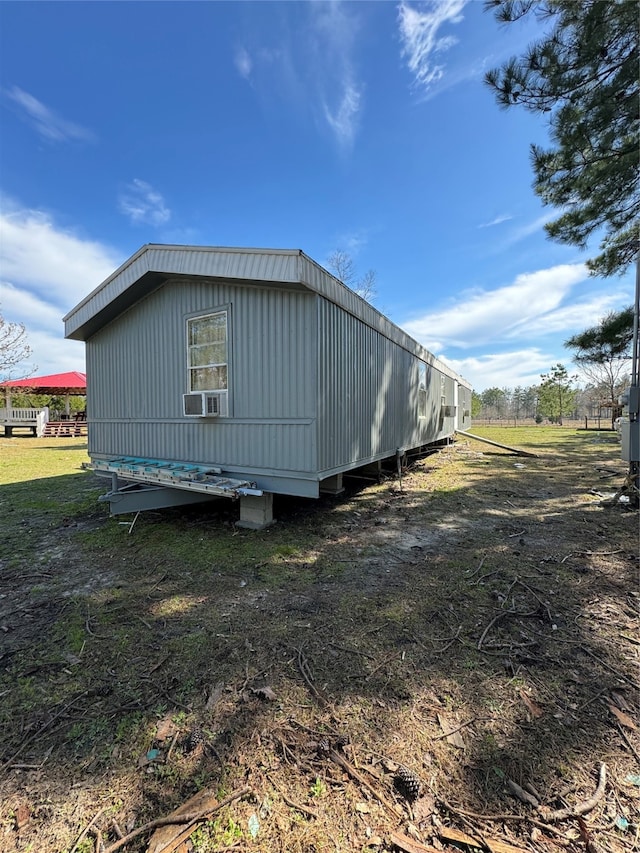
column 603, row 352
column 342, row 265
column 14, row 347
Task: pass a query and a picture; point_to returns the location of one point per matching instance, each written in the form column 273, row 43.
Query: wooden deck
column 65, row 429
column 36, row 421
column 23, row 418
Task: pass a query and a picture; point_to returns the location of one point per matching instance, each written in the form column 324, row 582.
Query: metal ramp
column 155, row 483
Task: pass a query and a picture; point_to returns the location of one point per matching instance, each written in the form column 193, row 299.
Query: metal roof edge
column 123, row 266
column 239, row 250
column 149, row 248
column 367, row 313
column 323, row 283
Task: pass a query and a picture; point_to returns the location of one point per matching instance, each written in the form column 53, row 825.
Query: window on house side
column 422, row 390
column 207, row 352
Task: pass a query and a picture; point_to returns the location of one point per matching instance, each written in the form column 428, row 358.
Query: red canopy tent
column 65, row 385
column 56, row 383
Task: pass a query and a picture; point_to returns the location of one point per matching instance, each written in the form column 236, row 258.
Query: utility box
column 630, row 399
column 630, row 424
column 630, row 440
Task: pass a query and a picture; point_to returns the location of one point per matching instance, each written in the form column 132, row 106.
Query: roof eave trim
column 131, row 260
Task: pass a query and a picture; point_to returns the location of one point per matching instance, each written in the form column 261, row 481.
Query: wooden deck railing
column 35, row 419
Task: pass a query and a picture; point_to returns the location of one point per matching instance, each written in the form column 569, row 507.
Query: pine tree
column 583, row 74
column 476, row 405
column 556, row 394
column 494, row 402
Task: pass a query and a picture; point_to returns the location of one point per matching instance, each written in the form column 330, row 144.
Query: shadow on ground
column 474, row 623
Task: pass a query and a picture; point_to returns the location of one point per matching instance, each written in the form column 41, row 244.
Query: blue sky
column 322, row 126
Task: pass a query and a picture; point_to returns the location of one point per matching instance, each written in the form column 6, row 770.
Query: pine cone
column 407, row 783
column 194, row 738
column 324, row 746
column 341, row 742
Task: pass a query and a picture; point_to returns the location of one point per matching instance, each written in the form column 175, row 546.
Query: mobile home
column 247, row 373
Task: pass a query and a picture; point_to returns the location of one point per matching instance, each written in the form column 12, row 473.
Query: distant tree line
column 556, row 398
column 602, row 352
column 552, row 400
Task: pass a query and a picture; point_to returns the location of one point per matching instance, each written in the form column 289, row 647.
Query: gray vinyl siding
column 464, row 407
column 138, row 372
column 368, row 394
column 248, row 448
column 247, row 264
column 154, row 264
column 319, row 380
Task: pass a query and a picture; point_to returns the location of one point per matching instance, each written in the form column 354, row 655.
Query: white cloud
column 51, row 354
column 421, row 44
column 580, row 315
column 488, row 316
column 45, row 121
column 352, row 242
column 312, row 68
column 333, row 31
column 243, row 63
column 18, row 302
column 504, row 370
column 343, row 121
column 534, row 306
column 142, row 204
column 46, row 271
column 498, row 220
column 528, row 229
column 50, row 261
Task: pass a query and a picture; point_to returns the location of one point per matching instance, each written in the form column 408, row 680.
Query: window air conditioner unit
column 193, row 405
column 205, row 404
column 215, row 405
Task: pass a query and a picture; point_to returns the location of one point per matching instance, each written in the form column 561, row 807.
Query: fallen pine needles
column 192, row 817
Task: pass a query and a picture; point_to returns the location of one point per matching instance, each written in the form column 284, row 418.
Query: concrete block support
column 256, row 512
column 332, row 485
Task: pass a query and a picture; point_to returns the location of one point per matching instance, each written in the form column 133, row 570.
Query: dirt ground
column 443, row 662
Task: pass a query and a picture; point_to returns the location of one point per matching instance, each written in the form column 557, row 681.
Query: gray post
column 634, row 398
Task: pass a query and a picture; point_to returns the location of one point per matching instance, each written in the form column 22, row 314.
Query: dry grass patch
column 476, row 625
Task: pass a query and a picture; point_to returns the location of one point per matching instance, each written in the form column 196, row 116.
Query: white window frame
column 191, row 367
